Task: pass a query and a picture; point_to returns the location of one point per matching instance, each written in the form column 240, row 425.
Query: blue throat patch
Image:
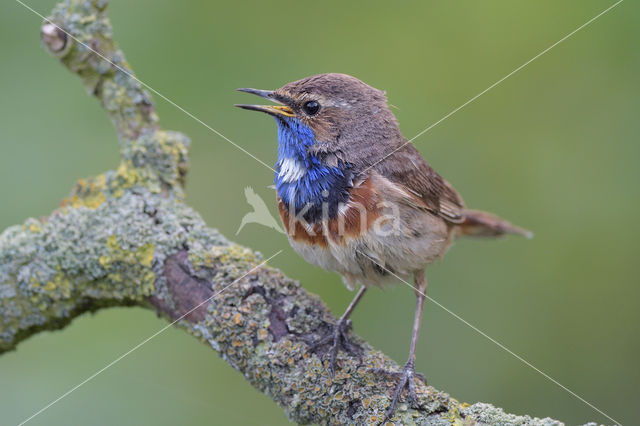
column 302, row 179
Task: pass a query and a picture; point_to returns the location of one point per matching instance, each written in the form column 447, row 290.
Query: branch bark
column 127, row 237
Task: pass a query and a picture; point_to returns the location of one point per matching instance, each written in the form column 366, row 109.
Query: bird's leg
column 408, row 373
column 338, row 338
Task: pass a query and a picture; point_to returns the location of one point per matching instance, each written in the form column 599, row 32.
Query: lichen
column 490, row 415
column 111, row 251
column 90, row 193
column 454, row 416
column 239, row 325
column 151, row 157
column 32, row 225
column 134, row 265
column 234, row 255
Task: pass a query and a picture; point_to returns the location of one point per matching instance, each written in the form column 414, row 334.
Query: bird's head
column 328, row 113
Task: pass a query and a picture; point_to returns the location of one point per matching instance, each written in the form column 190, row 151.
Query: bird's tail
column 477, row 223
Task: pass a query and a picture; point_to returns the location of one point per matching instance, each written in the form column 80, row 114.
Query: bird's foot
column 336, row 339
column 405, row 379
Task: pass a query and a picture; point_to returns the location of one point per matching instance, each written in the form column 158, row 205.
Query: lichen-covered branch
column 126, row 237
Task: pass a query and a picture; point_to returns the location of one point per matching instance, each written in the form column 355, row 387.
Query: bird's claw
column 396, row 374
column 405, row 379
column 338, row 339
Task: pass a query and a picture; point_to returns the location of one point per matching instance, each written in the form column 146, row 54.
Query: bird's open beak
column 275, row 110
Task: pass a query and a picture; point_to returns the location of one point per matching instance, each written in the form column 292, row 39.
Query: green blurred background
column 553, row 148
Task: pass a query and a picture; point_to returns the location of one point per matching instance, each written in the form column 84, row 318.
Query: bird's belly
column 383, row 256
column 390, row 247
column 317, row 255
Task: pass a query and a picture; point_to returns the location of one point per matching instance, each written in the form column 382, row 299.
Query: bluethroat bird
column 356, row 198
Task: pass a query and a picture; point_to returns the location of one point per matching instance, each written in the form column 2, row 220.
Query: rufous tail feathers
column 482, row 224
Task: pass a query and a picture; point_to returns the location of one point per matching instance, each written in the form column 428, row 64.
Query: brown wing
column 407, row 169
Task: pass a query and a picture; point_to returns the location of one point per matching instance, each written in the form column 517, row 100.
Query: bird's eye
column 311, row 107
